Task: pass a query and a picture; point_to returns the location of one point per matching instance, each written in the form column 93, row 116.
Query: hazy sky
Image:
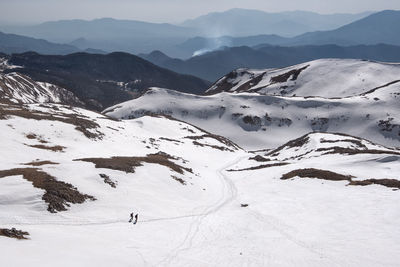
column 28, row 11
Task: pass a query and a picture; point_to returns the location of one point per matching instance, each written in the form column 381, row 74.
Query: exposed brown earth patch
column 316, row 173
column 356, row 142
column 285, row 77
column 264, row 166
column 254, row 81
column 81, row 123
column 58, row 195
column 252, row 120
column 170, row 140
column 385, row 182
column 41, row 163
column 51, row 148
column 259, row 158
column 333, row 176
column 380, row 87
column 129, row 164
column 299, row 142
column 224, row 85
column 180, row 180
column 220, row 139
column 13, row 233
column 212, row 146
column 352, row 151
column 32, row 136
column 108, row 180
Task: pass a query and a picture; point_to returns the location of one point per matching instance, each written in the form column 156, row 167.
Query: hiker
column 134, row 219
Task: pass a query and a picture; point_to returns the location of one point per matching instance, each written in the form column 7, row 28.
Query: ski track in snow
column 229, row 192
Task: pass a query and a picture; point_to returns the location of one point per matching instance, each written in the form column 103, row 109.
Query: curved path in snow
column 228, row 193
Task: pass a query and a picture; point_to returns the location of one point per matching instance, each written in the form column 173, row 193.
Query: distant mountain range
column 245, row 22
column 102, row 80
column 142, row 37
column 12, row 43
column 213, row 65
column 108, row 34
column 374, row 29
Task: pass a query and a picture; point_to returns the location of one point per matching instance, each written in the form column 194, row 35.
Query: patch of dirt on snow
column 13, row 233
column 333, row 176
column 220, row 139
column 356, row 142
column 129, row 164
column 299, row 142
column 385, row 182
column 285, row 77
column 212, row 146
column 81, row 123
column 180, row 180
column 170, row 140
column 108, row 180
column 57, row 194
column 32, row 136
column 41, row 163
column 261, row 167
column 316, row 173
column 259, row 158
column 352, row 151
column 51, row 148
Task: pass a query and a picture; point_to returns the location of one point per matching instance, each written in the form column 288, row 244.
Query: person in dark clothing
column 134, row 218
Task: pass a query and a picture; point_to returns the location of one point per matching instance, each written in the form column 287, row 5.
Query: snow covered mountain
column 324, row 77
column 70, row 178
column 20, row 88
column 253, row 120
column 267, row 107
column 76, row 168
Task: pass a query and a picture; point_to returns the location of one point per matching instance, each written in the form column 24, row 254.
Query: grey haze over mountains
column 211, row 66
column 108, row 34
column 245, row 22
column 381, row 27
column 372, row 38
column 377, row 28
column 143, row 37
column 12, row 43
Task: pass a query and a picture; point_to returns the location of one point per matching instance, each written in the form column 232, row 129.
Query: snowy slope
column 319, row 220
column 71, row 177
column 324, row 78
column 260, row 121
column 196, row 205
column 19, row 88
column 53, row 138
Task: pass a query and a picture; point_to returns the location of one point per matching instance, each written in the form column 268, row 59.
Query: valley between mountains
column 278, row 167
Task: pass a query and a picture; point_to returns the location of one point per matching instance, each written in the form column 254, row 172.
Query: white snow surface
column 228, row 206
column 323, row 77
column 298, row 222
column 262, row 121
